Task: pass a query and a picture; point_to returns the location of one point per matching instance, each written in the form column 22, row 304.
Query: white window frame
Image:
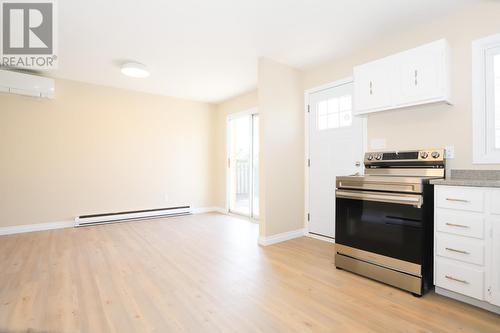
column 483, row 108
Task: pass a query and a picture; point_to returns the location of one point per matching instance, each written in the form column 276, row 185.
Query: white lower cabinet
column 467, row 244
column 494, row 258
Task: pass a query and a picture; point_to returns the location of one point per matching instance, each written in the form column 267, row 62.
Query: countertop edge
column 466, row 182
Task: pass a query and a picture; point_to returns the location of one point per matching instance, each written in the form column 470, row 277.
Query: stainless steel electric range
column 384, row 219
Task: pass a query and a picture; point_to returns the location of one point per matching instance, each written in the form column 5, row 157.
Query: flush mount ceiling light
column 134, row 69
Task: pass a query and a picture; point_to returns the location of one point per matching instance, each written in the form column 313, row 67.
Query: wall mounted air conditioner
column 26, row 84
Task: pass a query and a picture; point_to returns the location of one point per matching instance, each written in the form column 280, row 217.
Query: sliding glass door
column 243, row 165
column 255, row 166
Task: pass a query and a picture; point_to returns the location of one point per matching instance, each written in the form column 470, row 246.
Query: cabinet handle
column 371, row 88
column 457, row 225
column 455, row 279
column 458, row 251
column 416, row 74
column 457, row 200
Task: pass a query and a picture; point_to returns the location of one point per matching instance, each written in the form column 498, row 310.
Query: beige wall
column 426, row 126
column 237, row 104
column 96, row 149
column 281, row 115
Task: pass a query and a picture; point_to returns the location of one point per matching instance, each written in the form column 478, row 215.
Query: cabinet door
column 373, row 86
column 494, row 259
column 421, row 73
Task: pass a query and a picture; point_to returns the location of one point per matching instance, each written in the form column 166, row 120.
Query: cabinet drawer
column 460, row 223
column 460, row 279
column 460, row 248
column 462, row 198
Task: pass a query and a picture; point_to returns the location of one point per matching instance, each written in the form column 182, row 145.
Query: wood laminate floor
column 202, row 273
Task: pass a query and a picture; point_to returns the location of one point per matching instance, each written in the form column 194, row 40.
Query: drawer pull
column 458, row 251
column 457, row 225
column 457, row 200
column 455, row 279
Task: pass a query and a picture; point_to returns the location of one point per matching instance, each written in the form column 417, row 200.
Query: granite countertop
column 477, row 178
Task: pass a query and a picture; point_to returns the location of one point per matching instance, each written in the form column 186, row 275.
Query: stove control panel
column 431, row 155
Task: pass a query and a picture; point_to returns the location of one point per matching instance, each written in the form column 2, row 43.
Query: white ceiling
column 207, row 50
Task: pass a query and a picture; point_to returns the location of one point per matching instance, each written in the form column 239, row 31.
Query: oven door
column 387, row 224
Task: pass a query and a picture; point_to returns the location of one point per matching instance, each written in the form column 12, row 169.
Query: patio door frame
column 250, row 112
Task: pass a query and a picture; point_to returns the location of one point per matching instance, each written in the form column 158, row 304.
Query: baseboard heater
column 85, row 220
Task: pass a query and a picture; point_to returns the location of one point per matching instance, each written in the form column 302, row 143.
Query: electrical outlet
column 449, row 152
column 377, row 143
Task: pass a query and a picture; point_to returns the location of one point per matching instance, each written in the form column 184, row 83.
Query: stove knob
column 378, row 157
column 424, row 154
column 435, row 154
column 370, row 157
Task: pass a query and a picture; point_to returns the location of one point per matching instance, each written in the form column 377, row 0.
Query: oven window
column 393, row 230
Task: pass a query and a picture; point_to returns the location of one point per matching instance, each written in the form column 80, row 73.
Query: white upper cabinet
column 417, row 76
column 372, row 85
column 423, row 74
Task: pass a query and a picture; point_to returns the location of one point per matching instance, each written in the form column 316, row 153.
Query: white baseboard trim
column 202, row 210
column 17, row 229
column 467, row 299
column 221, row 210
column 269, row 240
column 323, row 238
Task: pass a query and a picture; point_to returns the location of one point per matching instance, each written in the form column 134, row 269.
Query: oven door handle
column 403, row 199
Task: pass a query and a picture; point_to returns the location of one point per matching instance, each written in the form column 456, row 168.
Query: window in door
column 334, row 112
column 243, row 165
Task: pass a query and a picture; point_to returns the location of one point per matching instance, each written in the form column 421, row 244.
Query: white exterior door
column 336, row 147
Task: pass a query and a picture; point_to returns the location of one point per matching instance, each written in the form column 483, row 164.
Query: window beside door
column 496, row 97
column 486, row 99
